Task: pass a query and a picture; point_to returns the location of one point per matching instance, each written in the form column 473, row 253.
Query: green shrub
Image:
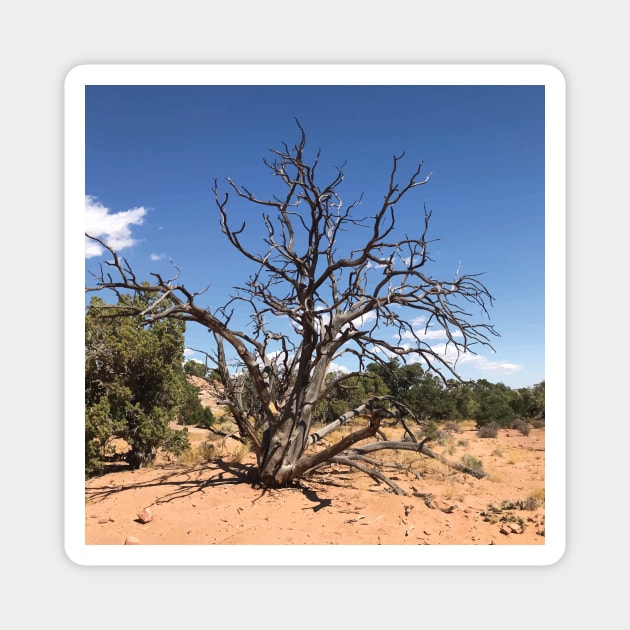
column 472, row 462
column 431, row 430
column 176, row 442
column 192, row 412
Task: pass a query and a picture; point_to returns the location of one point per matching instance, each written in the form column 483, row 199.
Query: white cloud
column 502, row 367
column 475, row 362
column 479, row 362
column 277, row 357
column 364, row 319
column 156, row 256
column 114, row 228
column 336, row 367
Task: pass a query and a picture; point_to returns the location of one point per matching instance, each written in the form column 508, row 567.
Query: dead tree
column 309, row 304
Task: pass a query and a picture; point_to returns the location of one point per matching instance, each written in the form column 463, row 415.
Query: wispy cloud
column 463, row 360
column 337, row 367
column 429, row 334
column 114, row 228
column 484, row 364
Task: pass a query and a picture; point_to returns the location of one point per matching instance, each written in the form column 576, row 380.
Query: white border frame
column 555, row 313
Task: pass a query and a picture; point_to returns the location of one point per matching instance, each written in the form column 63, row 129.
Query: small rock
column 145, row 515
column 511, row 528
column 131, row 540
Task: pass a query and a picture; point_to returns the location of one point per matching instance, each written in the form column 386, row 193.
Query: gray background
column 42, row 42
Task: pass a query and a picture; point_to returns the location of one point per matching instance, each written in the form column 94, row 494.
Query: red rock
column 145, row 515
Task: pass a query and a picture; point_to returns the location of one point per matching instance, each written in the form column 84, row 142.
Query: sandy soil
column 209, row 500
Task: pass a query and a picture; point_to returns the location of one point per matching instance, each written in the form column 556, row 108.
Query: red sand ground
column 211, row 502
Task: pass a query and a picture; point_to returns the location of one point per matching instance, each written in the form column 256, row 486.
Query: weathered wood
column 372, row 472
column 419, row 448
column 479, row 474
column 335, row 424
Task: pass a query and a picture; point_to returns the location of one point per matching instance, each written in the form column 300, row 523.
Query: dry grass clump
column 452, row 427
column 522, row 426
column 490, row 430
column 516, row 455
column 203, row 452
column 467, row 425
column 495, row 477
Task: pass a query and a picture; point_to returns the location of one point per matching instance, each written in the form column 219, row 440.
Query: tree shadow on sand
column 183, row 481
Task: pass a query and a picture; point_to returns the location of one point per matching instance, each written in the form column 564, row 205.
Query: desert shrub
column 431, row 430
column 176, row 442
column 453, row 427
column 489, row 430
column 207, row 450
column 203, row 418
column 444, row 438
column 539, row 423
column 531, row 503
column 472, row 462
column 240, row 453
column 522, row 426
column 189, row 458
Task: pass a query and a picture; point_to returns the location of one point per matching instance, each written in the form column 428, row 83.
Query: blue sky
column 152, row 153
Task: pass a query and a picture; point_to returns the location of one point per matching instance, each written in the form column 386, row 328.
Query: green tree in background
column 399, row 377
column 346, row 394
column 493, row 404
column 134, row 382
column 194, row 368
column 192, row 412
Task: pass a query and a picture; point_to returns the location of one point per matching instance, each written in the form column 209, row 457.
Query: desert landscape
column 206, row 497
